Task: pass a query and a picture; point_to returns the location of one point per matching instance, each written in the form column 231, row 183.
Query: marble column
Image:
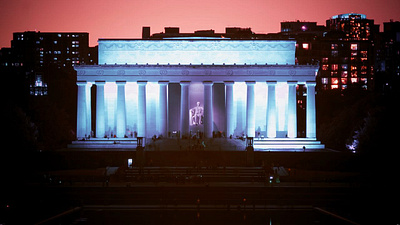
column 88, row 92
column 292, row 114
column 208, row 109
column 311, row 125
column 100, row 109
column 229, row 114
column 121, row 109
column 250, row 110
column 81, row 110
column 141, row 109
column 184, row 116
column 271, row 110
column 163, row 108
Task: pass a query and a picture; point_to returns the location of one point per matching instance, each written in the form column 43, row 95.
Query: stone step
column 287, row 143
column 104, row 143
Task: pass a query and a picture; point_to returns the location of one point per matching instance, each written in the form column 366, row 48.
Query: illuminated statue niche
column 196, row 115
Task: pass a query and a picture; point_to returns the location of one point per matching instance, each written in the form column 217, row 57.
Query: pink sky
column 125, row 18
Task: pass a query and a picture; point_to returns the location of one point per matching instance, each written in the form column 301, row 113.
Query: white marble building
column 152, row 87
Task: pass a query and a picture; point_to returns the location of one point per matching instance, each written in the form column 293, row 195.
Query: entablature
column 197, row 73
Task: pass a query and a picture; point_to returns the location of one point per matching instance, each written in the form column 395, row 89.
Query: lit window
column 344, row 66
column 325, row 67
column 334, row 67
column 343, row 80
column 334, row 86
column 305, row 46
column 364, row 54
column 324, row 60
column 364, row 80
column 354, row 80
column 334, row 46
column 344, row 74
column 38, row 83
column 354, row 47
column 334, row 80
column 324, row 80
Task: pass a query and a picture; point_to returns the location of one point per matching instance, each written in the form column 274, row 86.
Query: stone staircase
column 287, row 143
column 195, row 174
column 105, row 143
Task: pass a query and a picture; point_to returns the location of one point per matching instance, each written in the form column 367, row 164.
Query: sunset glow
column 124, row 19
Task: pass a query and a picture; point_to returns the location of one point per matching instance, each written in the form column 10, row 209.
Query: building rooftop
column 349, row 15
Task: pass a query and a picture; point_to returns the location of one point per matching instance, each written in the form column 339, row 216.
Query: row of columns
column 271, row 109
column 83, row 111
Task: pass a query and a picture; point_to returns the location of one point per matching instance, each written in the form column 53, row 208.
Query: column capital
column 311, row 83
column 141, row 82
column 271, row 82
column 120, row 82
column 207, row 82
column 292, row 82
column 184, row 82
column 163, row 82
column 250, row 82
column 229, row 82
column 100, row 82
column 81, row 83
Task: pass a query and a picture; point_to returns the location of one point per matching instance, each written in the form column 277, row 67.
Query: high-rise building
column 301, row 27
column 38, row 49
column 355, row 26
column 346, row 63
column 347, row 52
column 388, row 57
column 36, row 56
column 344, row 49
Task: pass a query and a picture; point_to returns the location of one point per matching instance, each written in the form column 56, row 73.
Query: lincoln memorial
column 180, row 87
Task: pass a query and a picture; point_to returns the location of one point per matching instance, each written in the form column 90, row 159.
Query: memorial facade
column 185, row 87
